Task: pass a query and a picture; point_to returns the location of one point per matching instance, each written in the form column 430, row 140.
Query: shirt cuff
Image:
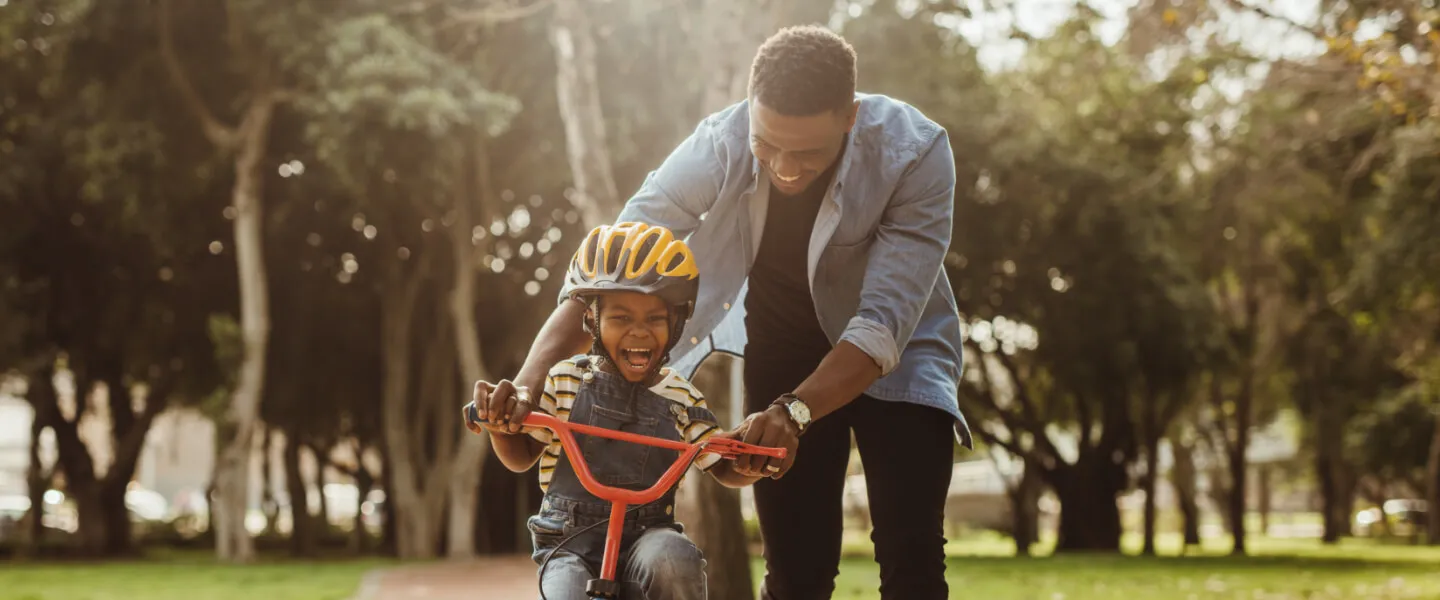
column 875, row 340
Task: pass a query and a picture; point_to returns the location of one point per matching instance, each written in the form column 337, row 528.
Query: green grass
column 1276, row 570
column 183, row 577
column 979, row 567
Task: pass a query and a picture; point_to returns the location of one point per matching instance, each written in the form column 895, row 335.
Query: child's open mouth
column 636, row 359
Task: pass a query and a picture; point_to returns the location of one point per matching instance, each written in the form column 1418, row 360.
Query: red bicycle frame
column 620, row 498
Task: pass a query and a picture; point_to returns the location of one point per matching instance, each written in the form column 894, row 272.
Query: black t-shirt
column 785, row 341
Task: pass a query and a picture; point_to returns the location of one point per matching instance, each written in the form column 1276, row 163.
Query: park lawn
column 1276, row 570
column 184, row 577
column 978, row 568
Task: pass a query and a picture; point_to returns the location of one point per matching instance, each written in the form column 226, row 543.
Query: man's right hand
column 502, row 407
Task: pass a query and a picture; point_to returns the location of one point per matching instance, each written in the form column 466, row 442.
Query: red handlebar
column 725, row 447
column 618, row 497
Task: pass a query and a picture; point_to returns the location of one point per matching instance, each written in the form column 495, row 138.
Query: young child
column 640, row 284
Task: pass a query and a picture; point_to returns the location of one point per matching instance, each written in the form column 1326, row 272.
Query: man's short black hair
column 804, row 70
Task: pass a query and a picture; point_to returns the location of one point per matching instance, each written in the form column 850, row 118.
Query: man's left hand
column 771, row 428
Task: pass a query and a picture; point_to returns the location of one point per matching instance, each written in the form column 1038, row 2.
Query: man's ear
column 850, row 119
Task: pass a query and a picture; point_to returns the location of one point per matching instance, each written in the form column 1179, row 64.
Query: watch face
column 801, row 412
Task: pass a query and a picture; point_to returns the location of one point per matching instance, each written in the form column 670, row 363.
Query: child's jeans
column 662, row 565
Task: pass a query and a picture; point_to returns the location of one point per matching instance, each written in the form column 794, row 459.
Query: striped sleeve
column 558, row 397
column 682, row 392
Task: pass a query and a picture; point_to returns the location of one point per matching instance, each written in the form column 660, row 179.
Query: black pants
column 906, row 450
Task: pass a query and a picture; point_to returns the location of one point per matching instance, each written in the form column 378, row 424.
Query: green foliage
column 375, row 71
column 1393, row 439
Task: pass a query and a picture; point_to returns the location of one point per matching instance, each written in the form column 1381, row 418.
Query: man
column 828, row 214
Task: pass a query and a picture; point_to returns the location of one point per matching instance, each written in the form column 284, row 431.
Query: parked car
column 1404, row 517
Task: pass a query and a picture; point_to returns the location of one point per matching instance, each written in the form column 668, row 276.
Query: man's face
column 796, row 150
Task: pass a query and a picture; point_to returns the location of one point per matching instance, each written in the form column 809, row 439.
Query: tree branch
column 1218, row 425
column 1362, row 163
column 282, row 95
column 1022, row 393
column 1174, row 404
column 128, row 447
column 495, row 15
column 1026, row 420
column 218, row 133
column 1241, row 6
column 1011, row 445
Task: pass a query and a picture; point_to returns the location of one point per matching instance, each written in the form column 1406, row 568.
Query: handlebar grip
column 472, row 418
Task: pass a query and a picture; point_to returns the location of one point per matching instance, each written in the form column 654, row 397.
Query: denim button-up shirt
column 875, row 255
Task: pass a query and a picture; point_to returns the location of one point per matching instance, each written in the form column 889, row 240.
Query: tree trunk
column 248, row 142
column 1330, row 472
column 1089, row 515
column 1341, row 505
column 302, row 530
column 389, row 530
column 1244, row 403
column 586, row 142
column 470, row 460
column 1152, row 483
column 1432, row 481
column 500, row 528
column 711, row 511
column 268, row 505
column 322, row 519
column 1152, row 428
column 99, row 532
column 363, row 484
column 1182, row 478
column 232, row 469
column 104, row 518
column 1263, row 492
column 90, row 510
column 417, row 471
column 41, row 390
column 1025, row 508
column 1238, row 465
column 402, row 495
column 116, row 517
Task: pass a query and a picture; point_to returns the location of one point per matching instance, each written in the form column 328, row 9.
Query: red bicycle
column 606, row 587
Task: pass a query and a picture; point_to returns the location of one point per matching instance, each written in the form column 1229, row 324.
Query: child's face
column 634, row 329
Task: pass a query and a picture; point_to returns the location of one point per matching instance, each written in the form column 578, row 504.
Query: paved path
column 504, row 577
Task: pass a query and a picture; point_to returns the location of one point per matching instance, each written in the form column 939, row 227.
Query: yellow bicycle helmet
column 635, row 257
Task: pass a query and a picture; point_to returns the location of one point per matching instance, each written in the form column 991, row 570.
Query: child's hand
column 502, row 407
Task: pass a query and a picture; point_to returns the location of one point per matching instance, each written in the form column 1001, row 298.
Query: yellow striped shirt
column 560, row 389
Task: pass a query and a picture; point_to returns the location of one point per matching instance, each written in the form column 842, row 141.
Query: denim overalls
column 608, row 400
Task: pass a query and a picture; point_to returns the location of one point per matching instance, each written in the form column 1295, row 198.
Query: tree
column 413, row 195
column 246, row 142
column 111, row 292
column 573, row 38
column 1061, row 218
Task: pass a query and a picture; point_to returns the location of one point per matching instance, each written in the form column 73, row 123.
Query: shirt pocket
column 617, row 463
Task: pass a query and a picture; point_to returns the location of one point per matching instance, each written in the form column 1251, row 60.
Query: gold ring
column 771, row 468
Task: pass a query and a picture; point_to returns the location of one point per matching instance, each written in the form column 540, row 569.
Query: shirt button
column 727, row 306
column 694, row 340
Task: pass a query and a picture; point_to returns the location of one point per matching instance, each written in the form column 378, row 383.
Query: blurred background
column 254, row 252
